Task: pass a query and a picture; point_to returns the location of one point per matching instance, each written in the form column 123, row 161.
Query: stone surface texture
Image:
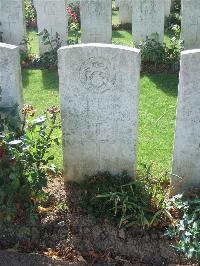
column 96, row 21
column 146, row 246
column 190, row 23
column 99, row 90
column 147, row 19
column 187, row 136
column 52, row 15
column 167, row 7
column 125, row 11
column 12, row 21
column 117, row 3
column 10, row 76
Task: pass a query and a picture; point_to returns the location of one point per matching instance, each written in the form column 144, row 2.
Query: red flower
column 69, row 10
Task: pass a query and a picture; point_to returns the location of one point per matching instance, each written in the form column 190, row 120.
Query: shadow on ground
column 168, row 83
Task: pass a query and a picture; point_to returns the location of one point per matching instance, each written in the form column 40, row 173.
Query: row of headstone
column 12, row 21
column 125, row 11
column 126, row 6
column 148, row 19
column 190, row 23
column 167, row 7
column 96, row 16
column 96, row 21
column 10, row 77
column 99, row 92
column 52, row 16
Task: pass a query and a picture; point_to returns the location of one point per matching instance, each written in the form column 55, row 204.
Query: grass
column 122, row 37
column 157, row 104
column 41, row 91
column 115, row 17
column 32, row 35
column 156, row 113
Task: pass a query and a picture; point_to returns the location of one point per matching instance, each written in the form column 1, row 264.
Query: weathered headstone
column 10, row 77
column 52, row 16
column 96, row 21
column 167, row 7
column 12, row 21
column 190, row 24
column 125, row 11
column 187, row 136
column 99, row 90
column 117, row 3
column 147, row 19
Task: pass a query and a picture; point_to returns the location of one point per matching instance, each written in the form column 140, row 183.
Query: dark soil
column 67, row 235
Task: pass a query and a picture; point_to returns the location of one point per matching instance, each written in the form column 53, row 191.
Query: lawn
column 157, row 110
column 156, row 113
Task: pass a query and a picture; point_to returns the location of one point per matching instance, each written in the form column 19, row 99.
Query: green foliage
column 30, row 14
column 174, row 18
column 25, row 163
column 127, row 202
column 74, row 33
column 26, row 56
column 73, row 11
column 186, row 229
column 74, row 23
column 176, row 6
column 153, row 51
column 159, row 55
column 50, row 58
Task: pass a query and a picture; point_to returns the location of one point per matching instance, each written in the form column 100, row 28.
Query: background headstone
column 147, row 19
column 125, row 11
column 99, row 91
column 187, row 136
column 190, row 24
column 96, row 21
column 52, row 15
column 167, row 7
column 117, row 3
column 12, row 21
column 10, row 77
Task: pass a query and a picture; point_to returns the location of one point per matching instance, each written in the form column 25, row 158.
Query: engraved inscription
column 94, row 8
column 50, row 8
column 147, row 8
column 12, row 8
column 99, row 141
column 196, row 27
column 95, row 74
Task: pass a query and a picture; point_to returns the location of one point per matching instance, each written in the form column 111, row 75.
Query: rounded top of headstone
column 8, row 46
column 192, row 51
column 100, row 45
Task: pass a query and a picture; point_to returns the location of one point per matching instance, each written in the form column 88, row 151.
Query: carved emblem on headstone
column 95, row 74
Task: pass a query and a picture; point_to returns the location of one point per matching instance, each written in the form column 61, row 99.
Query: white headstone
column 12, row 21
column 190, row 28
column 167, row 7
column 117, row 3
column 52, row 16
column 147, row 19
column 96, row 21
column 10, row 76
column 99, row 91
column 187, row 136
column 125, row 11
